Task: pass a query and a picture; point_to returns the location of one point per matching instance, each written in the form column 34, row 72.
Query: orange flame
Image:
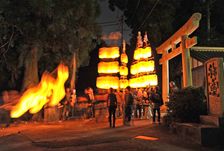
column 58, row 89
column 48, row 91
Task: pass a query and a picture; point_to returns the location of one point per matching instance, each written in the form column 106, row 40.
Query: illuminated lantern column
column 123, row 68
column 143, row 68
column 135, row 81
column 108, row 67
column 151, row 77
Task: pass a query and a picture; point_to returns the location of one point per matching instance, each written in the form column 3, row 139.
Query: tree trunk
column 74, row 70
column 31, row 69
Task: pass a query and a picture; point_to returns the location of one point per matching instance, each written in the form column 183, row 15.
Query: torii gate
column 181, row 38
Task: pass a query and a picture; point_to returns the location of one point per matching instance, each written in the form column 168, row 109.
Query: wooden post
column 186, row 64
column 74, row 66
column 165, row 78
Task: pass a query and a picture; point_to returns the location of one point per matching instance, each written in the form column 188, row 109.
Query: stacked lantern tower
column 123, row 68
column 143, row 66
column 108, row 68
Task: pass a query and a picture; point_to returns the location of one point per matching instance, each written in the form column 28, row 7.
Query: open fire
column 49, row 91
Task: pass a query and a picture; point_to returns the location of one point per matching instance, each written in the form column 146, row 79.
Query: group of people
column 139, row 103
column 133, row 103
column 142, row 104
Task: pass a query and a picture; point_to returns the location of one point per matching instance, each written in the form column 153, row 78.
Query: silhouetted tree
column 37, row 35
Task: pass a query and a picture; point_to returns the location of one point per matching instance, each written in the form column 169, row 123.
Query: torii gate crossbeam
column 181, row 37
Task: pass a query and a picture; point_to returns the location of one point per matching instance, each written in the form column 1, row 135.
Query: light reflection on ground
column 147, row 138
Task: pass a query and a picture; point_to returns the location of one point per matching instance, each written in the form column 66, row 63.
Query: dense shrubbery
column 186, row 105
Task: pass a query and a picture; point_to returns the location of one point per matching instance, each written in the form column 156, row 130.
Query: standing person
column 157, row 101
column 119, row 103
column 66, row 104
column 73, row 101
column 145, row 102
column 138, row 109
column 135, row 92
column 173, row 87
column 91, row 99
column 129, row 99
column 112, row 106
column 140, row 103
column 150, row 107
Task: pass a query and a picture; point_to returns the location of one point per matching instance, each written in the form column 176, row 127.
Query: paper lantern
column 142, row 53
column 109, row 52
column 124, row 58
column 143, row 66
column 106, row 82
column 124, row 83
column 151, row 79
column 144, row 81
column 137, row 82
column 108, row 67
column 123, row 71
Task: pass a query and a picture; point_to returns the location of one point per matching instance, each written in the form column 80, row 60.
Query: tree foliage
column 139, row 17
column 56, row 28
column 161, row 18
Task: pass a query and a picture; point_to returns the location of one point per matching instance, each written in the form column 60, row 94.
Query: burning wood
column 49, row 91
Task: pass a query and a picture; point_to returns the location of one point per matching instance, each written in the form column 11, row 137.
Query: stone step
column 212, row 120
column 207, row 135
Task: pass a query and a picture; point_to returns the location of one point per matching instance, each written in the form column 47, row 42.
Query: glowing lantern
column 143, row 66
column 124, row 58
column 109, row 52
column 106, row 82
column 133, row 83
column 137, row 53
column 137, row 82
column 123, row 71
column 144, row 81
column 151, row 79
column 142, row 53
column 108, row 67
column 124, row 83
column 49, row 90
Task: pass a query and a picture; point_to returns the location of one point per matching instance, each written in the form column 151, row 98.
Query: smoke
column 112, row 36
column 104, row 37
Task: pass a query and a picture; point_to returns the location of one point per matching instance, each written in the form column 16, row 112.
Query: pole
column 72, row 83
column 208, row 20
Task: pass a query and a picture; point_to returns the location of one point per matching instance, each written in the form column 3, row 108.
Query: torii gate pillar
column 165, row 78
column 186, row 64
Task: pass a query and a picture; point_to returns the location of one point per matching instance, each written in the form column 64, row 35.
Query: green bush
column 187, row 105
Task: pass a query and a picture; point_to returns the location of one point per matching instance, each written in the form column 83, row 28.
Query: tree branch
column 8, row 42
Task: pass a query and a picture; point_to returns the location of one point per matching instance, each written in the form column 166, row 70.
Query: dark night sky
column 109, row 16
column 106, row 16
